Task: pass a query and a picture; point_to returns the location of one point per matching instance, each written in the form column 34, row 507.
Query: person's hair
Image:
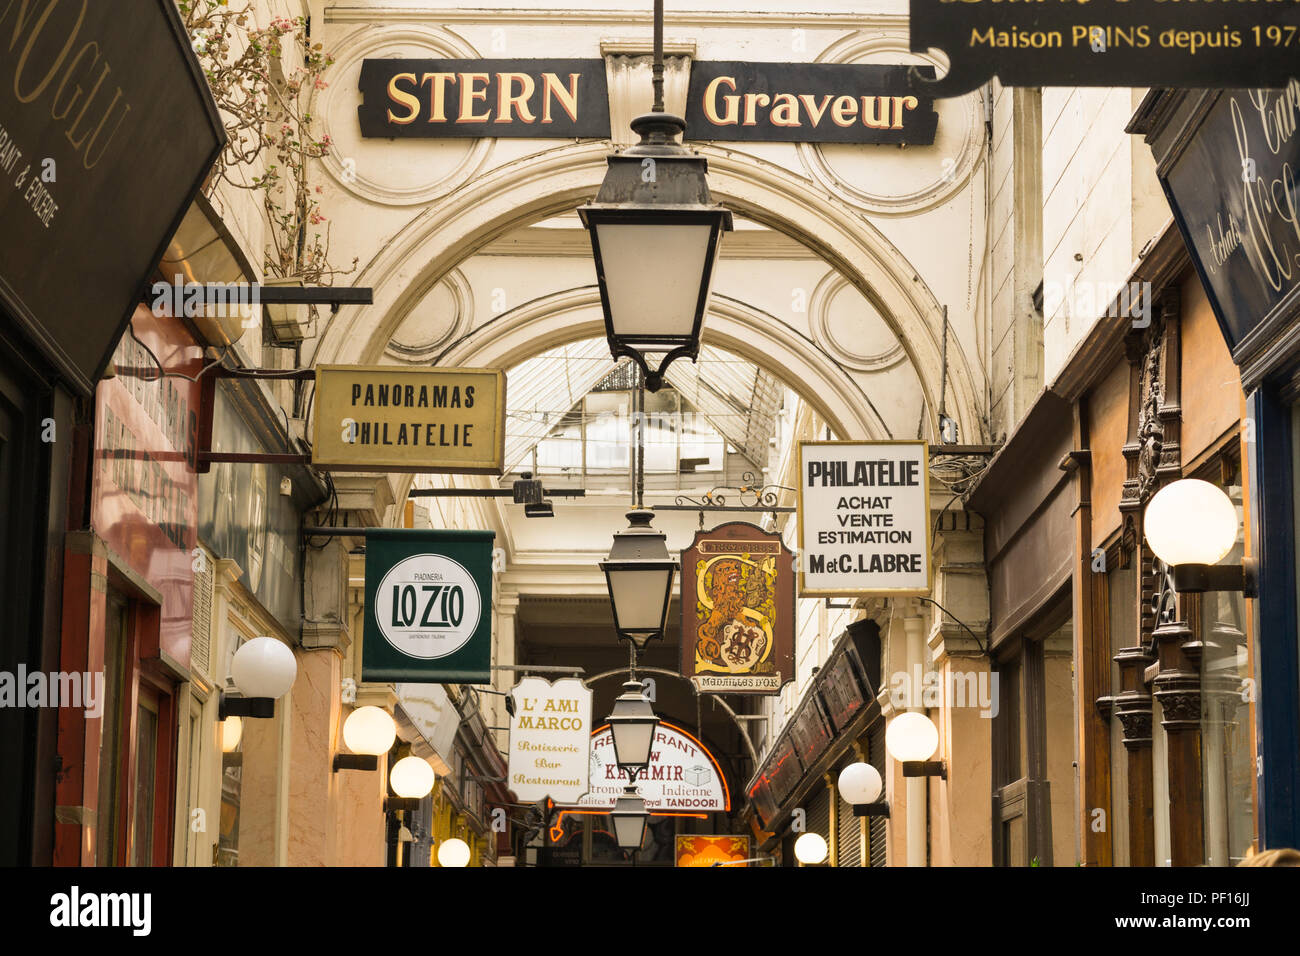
column 1284, row 856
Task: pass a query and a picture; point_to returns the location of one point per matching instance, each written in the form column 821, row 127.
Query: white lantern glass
column 911, row 737
column 629, row 818
column 369, row 730
column 411, row 778
column 264, row 667
column 1190, row 522
column 860, row 783
column 653, row 273
column 810, row 849
column 453, row 852
column 641, row 597
column 232, row 730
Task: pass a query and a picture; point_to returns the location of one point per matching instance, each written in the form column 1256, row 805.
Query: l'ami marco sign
column 1177, row 43
column 726, row 101
column 389, row 418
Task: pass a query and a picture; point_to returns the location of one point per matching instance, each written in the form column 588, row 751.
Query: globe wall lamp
column 1191, row 525
column 263, row 669
column 453, row 852
column 912, row 739
column 639, row 575
column 369, row 733
column 811, row 849
column 232, row 730
column 411, row 778
column 655, row 232
column 860, row 785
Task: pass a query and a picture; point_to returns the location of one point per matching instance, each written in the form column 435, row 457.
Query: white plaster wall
column 1101, row 204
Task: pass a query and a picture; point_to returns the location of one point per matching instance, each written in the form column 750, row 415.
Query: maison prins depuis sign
column 726, row 101
column 864, row 518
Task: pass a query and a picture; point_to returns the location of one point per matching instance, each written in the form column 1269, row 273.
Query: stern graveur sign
column 1178, row 43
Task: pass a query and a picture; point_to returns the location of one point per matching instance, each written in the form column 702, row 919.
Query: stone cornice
column 677, row 19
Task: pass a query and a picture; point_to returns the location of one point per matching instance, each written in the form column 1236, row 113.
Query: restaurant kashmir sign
column 550, row 740
column 864, row 518
column 726, row 101
column 390, row 418
column 682, row 775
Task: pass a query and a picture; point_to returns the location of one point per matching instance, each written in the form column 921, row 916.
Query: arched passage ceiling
column 532, row 190
column 737, row 397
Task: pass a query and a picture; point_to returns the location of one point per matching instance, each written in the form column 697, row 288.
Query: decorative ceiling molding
column 369, row 42
column 341, row 13
column 951, row 172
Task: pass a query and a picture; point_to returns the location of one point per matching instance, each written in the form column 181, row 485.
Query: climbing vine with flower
column 265, row 80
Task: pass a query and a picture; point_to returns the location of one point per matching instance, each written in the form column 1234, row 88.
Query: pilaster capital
column 365, row 497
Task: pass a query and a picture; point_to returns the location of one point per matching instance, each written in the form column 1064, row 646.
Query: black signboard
column 1234, row 194
column 808, row 103
column 484, row 98
column 760, row 795
column 783, row 769
column 1108, row 43
column 107, row 130
column 842, row 691
column 810, row 732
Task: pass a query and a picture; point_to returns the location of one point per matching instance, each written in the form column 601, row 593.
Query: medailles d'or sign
column 389, row 418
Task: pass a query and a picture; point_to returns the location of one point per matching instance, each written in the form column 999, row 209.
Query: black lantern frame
column 633, row 551
column 633, row 707
column 675, row 194
column 630, row 804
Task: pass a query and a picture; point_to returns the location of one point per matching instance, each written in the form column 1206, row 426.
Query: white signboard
column 682, row 777
column 864, row 518
column 429, row 606
column 550, row 734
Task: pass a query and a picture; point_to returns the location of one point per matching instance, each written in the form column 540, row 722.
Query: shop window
column 111, row 751
column 146, row 763
column 137, row 743
column 1227, row 692
column 1033, row 796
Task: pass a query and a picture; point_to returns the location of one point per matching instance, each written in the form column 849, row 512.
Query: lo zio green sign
column 428, row 607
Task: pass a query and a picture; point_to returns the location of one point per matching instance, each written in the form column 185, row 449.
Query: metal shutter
column 876, row 757
column 849, row 851
column 201, row 629
column 818, row 805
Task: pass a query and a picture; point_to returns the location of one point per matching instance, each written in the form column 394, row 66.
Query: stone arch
column 736, row 326
column 543, row 185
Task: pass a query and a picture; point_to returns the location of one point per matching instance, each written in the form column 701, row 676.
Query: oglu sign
column 428, row 607
column 90, row 91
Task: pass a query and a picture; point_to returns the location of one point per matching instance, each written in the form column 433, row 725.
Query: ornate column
column 959, row 825
column 503, row 653
column 1178, row 689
